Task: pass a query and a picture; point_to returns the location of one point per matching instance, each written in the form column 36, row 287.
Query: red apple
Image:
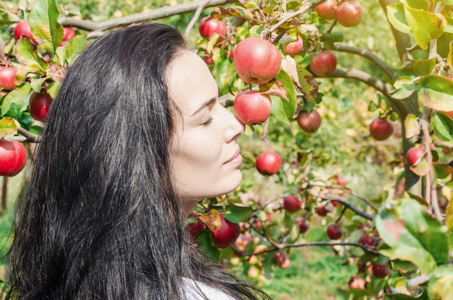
column 303, row 223
column 309, row 121
column 324, row 63
column 381, row 129
column 335, row 203
column 13, row 157
column 294, row 48
column 194, row 228
column 208, row 28
column 282, row 260
column 256, row 60
column 8, row 77
column 268, row 163
column 23, row 28
column 39, row 105
column 341, row 181
column 321, row 211
column 69, row 33
column 413, row 154
column 252, row 107
column 226, row 235
column 291, row 203
column 334, row 232
column 327, row 10
column 357, row 283
column 368, row 240
column 381, row 271
column 349, row 13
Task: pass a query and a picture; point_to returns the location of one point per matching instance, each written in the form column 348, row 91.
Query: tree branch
column 367, row 54
column 156, row 14
column 29, row 137
column 195, row 18
column 346, row 203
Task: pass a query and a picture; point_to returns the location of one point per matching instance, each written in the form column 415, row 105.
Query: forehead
column 190, row 82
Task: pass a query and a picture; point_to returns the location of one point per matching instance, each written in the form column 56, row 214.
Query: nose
column 235, row 127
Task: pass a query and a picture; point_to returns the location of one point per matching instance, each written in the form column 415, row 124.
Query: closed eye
column 209, row 121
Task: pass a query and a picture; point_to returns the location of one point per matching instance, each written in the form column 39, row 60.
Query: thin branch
column 195, row 18
column 276, row 245
column 363, row 77
column 30, row 137
column 346, row 191
column 346, row 203
column 367, row 54
column 156, row 14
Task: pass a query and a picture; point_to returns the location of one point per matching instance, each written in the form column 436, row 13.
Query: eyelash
column 209, row 121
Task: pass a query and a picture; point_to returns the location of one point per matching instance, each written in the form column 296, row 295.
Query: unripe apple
column 303, row 223
column 252, row 107
column 256, row 60
column 381, row 129
column 194, row 228
column 324, row 63
column 23, row 28
column 413, row 154
column 8, row 77
column 349, row 13
column 334, row 232
column 208, row 28
column 327, row 10
column 39, row 105
column 13, row 157
column 309, row 121
column 226, row 235
column 368, row 240
column 291, row 203
column 294, row 48
column 357, row 283
column 381, row 271
column 268, row 163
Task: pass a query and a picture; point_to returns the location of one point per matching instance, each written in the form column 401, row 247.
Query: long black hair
column 100, row 218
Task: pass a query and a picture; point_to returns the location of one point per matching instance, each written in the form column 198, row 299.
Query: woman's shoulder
column 192, row 292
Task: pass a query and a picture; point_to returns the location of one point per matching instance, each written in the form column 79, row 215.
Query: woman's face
column 204, row 152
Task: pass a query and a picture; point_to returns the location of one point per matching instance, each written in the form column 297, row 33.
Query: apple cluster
column 348, row 13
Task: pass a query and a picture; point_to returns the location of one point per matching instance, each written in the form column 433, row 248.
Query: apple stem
column 341, row 215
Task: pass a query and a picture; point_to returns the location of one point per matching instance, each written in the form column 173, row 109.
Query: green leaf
column 437, row 92
column 424, row 67
column 395, row 14
column 443, row 127
column 44, row 24
column 402, row 244
column 412, row 126
column 237, row 214
column 420, row 4
column 440, row 286
column 70, row 52
column 36, row 84
column 204, row 242
column 288, row 106
column 278, row 111
column 308, row 84
column 450, row 57
column 8, row 126
column 441, row 171
column 449, row 27
column 19, row 97
column 425, row 25
column 52, row 89
column 27, row 54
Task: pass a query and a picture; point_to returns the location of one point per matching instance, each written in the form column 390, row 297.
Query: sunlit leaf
column 19, row 96
column 211, row 219
column 437, row 92
column 425, row 25
column 443, row 127
column 8, row 126
column 237, row 214
column 440, row 286
column 44, row 24
column 412, row 126
column 27, row 54
column 395, row 14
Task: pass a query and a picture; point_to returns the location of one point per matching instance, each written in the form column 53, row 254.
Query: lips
column 233, row 157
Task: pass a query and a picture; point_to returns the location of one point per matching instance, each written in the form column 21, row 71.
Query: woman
column 134, row 138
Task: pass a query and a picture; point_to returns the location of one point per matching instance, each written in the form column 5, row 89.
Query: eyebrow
column 206, row 104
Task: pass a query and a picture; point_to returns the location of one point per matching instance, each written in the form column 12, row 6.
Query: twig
column 266, row 126
column 346, row 191
column 195, row 18
column 156, row 14
column 30, row 136
column 346, row 203
column 367, row 54
column 332, row 26
column 276, row 245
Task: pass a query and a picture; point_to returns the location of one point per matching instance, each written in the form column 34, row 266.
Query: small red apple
column 268, row 163
column 309, row 121
column 381, row 129
column 368, row 240
column 413, row 154
column 282, row 260
column 303, row 223
column 252, row 107
column 327, row 10
column 324, row 63
column 39, row 105
column 226, row 235
column 341, row 181
column 68, row 34
column 194, row 228
column 335, row 203
column 13, row 157
column 321, row 211
column 357, row 283
column 294, row 48
column 349, row 13
column 256, row 60
column 8, row 77
column 23, row 28
column 334, row 232
column 381, row 271
column 208, row 28
column 291, row 203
